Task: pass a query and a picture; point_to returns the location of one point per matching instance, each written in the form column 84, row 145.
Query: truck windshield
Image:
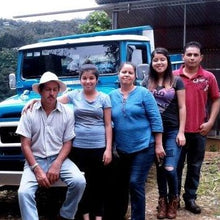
column 66, row 61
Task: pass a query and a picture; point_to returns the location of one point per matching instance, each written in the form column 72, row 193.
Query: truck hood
column 12, row 106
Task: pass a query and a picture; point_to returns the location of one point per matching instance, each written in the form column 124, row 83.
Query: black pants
column 90, row 162
column 114, row 209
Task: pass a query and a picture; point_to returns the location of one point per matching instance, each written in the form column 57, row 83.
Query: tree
column 8, row 63
column 97, row 21
column 14, row 34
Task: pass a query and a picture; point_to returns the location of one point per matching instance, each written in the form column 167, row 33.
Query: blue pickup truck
column 64, row 56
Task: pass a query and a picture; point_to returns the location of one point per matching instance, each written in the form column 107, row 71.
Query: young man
column 46, row 134
column 201, row 88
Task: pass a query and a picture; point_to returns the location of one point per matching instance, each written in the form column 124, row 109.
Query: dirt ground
column 208, row 196
column 208, row 193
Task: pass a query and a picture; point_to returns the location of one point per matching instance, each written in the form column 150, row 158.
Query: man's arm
column 53, row 173
column 26, row 149
column 39, row 173
column 207, row 126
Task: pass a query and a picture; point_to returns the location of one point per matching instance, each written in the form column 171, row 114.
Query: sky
column 12, row 8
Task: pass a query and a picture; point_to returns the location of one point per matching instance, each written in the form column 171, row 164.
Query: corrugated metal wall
column 167, row 19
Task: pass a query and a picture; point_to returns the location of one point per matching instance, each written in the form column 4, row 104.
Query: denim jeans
column 194, row 151
column 169, row 177
column 69, row 173
column 133, row 171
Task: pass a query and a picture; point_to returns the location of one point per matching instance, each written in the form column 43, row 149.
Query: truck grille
column 8, row 135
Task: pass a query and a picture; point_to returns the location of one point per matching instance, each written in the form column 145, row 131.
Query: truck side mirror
column 12, row 81
column 142, row 71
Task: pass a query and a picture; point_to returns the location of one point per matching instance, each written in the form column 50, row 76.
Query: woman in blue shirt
column 137, row 135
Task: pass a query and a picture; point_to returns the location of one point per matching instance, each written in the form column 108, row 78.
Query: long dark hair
column 153, row 76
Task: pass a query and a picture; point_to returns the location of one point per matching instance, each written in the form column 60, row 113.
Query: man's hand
column 41, row 177
column 205, row 128
column 53, row 174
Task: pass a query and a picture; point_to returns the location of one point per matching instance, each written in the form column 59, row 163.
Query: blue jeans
column 195, row 152
column 133, row 171
column 169, row 177
column 69, row 173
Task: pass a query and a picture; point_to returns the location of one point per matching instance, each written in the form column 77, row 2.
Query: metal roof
column 174, row 22
column 202, row 19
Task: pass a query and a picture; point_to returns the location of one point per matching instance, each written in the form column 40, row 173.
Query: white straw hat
column 47, row 77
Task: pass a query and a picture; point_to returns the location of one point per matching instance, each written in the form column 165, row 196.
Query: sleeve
column 106, row 101
column 179, row 85
column 72, row 94
column 70, row 125
column 214, row 91
column 24, row 125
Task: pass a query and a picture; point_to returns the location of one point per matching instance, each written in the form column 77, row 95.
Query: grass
column 209, row 188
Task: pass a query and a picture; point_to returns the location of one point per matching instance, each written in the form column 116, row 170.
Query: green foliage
column 14, row 34
column 96, row 21
column 8, row 64
column 213, row 148
column 19, row 33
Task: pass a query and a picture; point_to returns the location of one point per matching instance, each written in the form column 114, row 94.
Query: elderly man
column 46, row 134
